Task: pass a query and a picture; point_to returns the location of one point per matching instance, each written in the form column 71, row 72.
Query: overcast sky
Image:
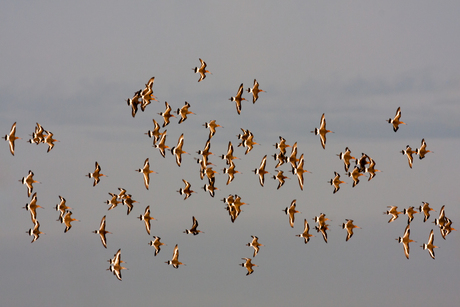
column 71, row 67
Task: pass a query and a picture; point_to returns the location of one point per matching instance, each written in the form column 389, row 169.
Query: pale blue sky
column 71, row 66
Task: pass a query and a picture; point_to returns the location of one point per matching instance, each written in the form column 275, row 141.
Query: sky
column 71, row 67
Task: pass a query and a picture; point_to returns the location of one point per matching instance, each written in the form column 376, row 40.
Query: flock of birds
column 142, row 98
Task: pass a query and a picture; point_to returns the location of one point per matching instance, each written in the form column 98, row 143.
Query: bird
column 230, row 171
column 346, row 157
column 161, row 144
column 408, row 152
column 102, row 232
column 229, row 155
column 405, row 240
column 410, row 213
column 291, row 211
column 210, row 187
column 322, row 131
column 62, row 207
column 115, row 265
column 202, row 70
column 249, row 142
column 29, row 181
column 156, row 244
column 50, row 141
column 255, row 244
column 322, row 226
column 147, row 94
column 175, row 259
column 186, row 191
column 293, row 156
column 395, row 121
column 32, row 207
column 234, row 204
column 183, row 112
column 393, row 212
column 146, row 218
column 237, row 99
column 441, row 220
column 212, row 125
column 67, row 220
column 425, row 208
column 177, row 150
column 206, row 150
column 134, row 102
column 116, row 258
column 355, row 174
column 248, row 265
column 11, row 137
column 38, row 135
column 209, row 172
column 194, row 229
column 305, row 234
column 255, row 91
column 122, row 193
column 96, row 174
column 446, row 228
column 362, row 162
column 422, row 151
column 299, row 171
column 166, row 114
column 35, row 232
column 282, row 145
column 155, row 133
column 243, row 136
column 146, row 172
column 281, row 159
column 261, row 170
column 113, row 202
column 281, row 178
column 430, row 246
column 323, row 230
column 321, row 219
column 129, row 201
column 349, row 226
column 336, row 182
column 371, row 169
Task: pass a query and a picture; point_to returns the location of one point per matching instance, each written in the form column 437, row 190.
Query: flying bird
column 322, row 131
column 96, row 174
column 261, row 170
column 166, row 115
column 11, row 137
column 248, row 265
column 175, row 259
column 194, row 229
column 146, row 172
column 255, row 91
column 102, row 232
column 405, row 240
column 201, row 70
column 291, row 211
column 255, row 244
column 349, row 226
column 156, row 244
column 29, row 181
column 430, row 246
column 395, row 121
column 305, row 234
column 237, row 99
column 146, row 218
